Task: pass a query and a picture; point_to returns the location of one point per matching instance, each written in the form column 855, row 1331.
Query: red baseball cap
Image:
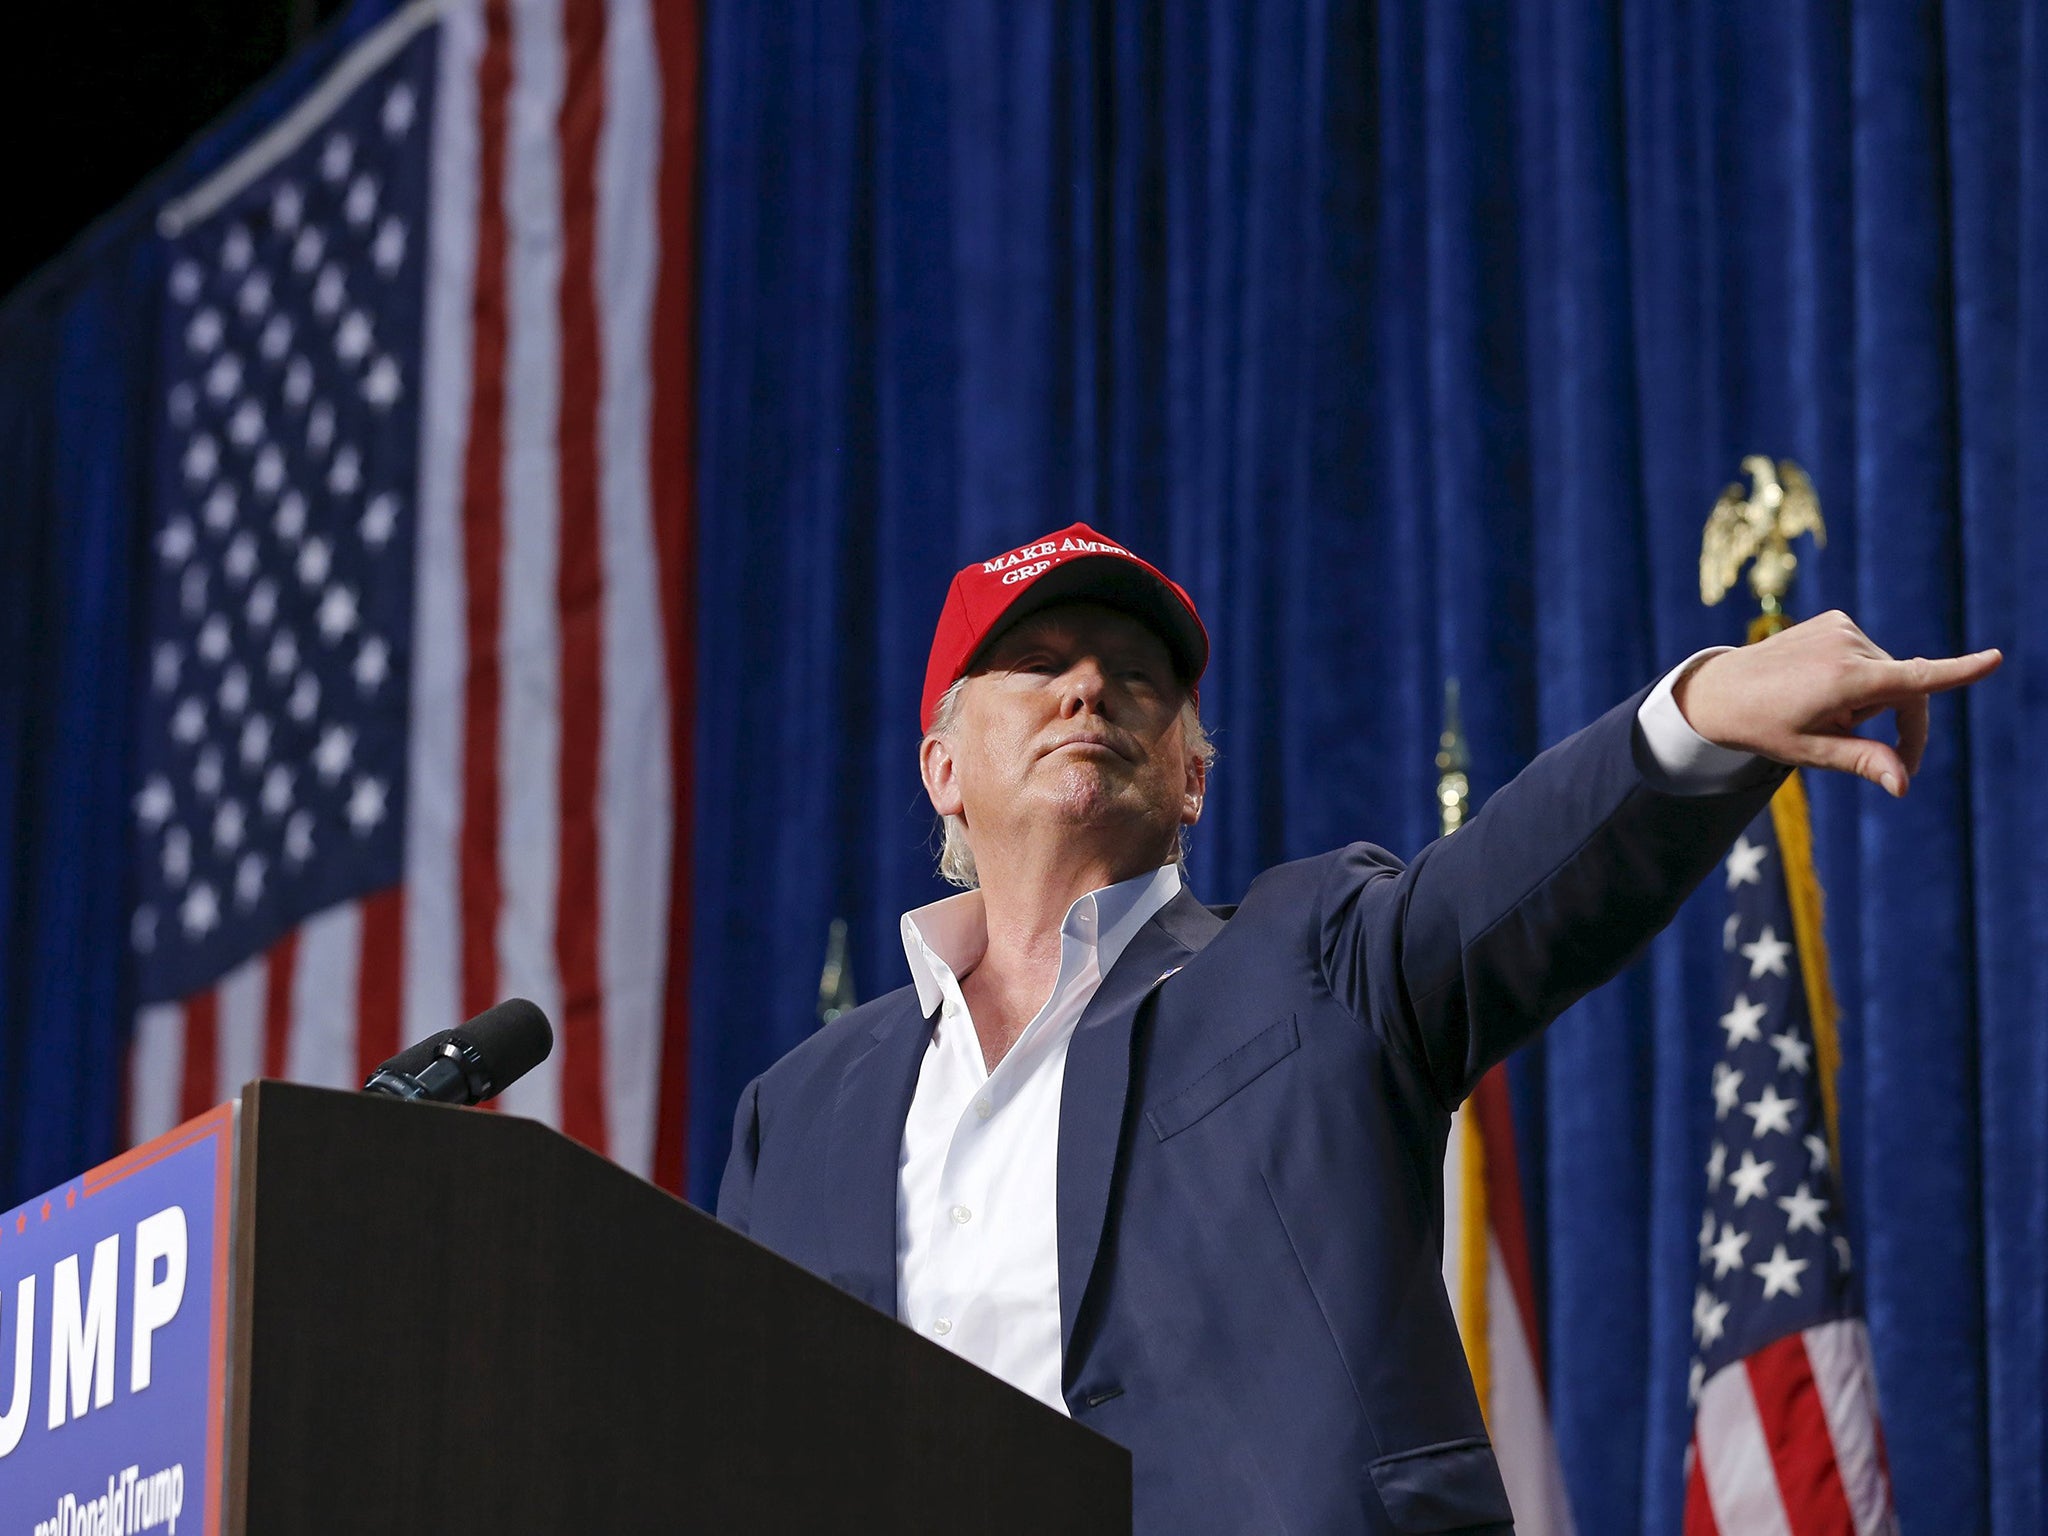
column 1074, row 565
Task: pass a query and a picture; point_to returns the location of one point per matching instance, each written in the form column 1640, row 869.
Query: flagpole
column 1453, row 767
column 835, row 982
column 1758, row 529
column 1783, row 1389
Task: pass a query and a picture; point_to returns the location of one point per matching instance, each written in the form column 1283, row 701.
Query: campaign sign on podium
column 113, row 1332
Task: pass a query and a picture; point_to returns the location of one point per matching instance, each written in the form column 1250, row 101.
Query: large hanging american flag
column 414, row 734
column 1786, row 1436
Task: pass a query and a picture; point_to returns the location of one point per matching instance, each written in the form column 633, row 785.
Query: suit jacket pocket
column 1454, row 1486
column 1182, row 1108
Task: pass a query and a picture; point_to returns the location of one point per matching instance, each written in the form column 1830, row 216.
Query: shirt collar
column 946, row 940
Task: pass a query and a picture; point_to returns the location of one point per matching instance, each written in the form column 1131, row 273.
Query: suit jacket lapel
column 875, row 1090
column 1098, row 1081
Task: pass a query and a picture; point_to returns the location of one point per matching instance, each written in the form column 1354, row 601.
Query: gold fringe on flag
column 1473, row 1322
column 1794, row 826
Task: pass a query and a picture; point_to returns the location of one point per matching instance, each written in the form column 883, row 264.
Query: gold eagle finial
column 1781, row 505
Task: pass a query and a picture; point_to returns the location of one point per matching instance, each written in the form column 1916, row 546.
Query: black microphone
column 412, row 1061
column 468, row 1065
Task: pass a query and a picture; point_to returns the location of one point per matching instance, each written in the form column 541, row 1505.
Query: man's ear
column 1197, row 788
column 941, row 775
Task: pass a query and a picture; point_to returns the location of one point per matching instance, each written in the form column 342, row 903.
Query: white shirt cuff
column 1687, row 762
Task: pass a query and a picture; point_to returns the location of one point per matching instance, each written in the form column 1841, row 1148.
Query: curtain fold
column 1417, row 341
column 73, row 437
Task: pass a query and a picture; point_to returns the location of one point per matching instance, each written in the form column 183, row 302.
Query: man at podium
column 1176, row 1171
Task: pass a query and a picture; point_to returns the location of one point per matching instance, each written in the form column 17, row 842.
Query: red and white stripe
column 546, row 837
column 1518, row 1416
column 1787, row 1442
column 1517, row 1407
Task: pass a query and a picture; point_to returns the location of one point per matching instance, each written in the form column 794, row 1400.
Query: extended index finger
column 1922, row 674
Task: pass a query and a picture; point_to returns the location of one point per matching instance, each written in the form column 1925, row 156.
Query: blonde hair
column 956, row 859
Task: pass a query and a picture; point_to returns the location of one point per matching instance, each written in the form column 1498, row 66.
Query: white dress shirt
column 977, row 1250
column 977, row 1225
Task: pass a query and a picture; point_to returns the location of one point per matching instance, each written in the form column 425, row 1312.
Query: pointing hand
column 1799, row 696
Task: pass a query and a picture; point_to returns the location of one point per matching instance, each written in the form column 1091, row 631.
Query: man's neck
column 1025, row 901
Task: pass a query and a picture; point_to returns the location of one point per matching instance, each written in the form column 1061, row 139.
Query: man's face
column 1070, row 721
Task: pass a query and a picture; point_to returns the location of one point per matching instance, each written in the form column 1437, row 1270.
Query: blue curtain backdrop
column 1417, row 339
column 71, row 434
column 77, row 403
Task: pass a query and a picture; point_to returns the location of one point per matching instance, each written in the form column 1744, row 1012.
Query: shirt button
column 951, row 1010
column 983, row 1108
column 943, row 1326
column 962, row 1215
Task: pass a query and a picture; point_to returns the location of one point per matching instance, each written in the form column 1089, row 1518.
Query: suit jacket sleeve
column 1556, row 884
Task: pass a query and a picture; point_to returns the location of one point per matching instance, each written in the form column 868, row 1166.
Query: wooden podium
column 448, row 1321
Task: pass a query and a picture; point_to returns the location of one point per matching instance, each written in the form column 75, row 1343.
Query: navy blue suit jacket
column 1252, row 1132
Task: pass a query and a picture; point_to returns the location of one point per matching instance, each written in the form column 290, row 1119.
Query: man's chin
column 1092, row 790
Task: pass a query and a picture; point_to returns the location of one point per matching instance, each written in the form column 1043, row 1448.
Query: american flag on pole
column 1786, row 1436
column 1489, row 1272
column 1488, row 1267
column 416, row 704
